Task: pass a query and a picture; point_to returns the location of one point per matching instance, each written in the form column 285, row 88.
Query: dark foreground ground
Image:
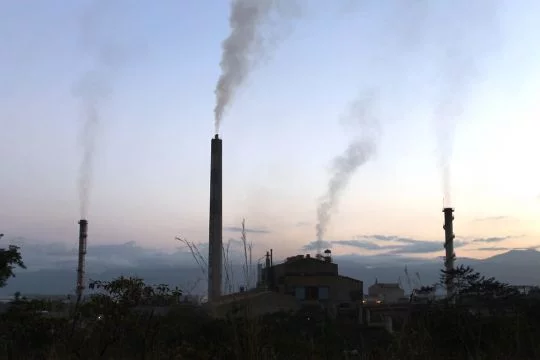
column 106, row 329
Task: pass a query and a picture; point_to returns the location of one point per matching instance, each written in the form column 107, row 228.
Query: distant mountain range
column 518, row 267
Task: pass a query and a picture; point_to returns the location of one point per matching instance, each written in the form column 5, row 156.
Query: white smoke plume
column 360, row 150
column 466, row 36
column 405, row 31
column 92, row 89
column 256, row 26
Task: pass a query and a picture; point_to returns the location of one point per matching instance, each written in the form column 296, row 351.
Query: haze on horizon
column 151, row 167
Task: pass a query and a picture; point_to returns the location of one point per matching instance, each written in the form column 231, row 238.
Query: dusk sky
column 150, row 180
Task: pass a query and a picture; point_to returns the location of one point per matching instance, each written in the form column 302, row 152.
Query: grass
column 187, row 332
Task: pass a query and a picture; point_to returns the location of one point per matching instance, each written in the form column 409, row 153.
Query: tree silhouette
column 10, row 258
column 467, row 282
column 132, row 291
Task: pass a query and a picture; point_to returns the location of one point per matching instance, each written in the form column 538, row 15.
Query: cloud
column 248, row 230
column 491, row 239
column 494, row 248
column 314, row 244
column 408, row 245
column 402, row 245
column 494, row 218
column 362, row 244
column 39, row 255
column 403, row 240
column 424, row 247
column 457, row 243
column 385, row 238
column 302, row 224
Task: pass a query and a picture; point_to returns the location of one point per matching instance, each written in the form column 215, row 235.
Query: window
column 300, row 293
column 324, row 293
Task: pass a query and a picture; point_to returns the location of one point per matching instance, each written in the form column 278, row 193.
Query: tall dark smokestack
column 215, row 241
column 83, row 234
column 449, row 247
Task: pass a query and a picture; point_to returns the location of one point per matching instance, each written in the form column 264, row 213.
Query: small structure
column 386, row 292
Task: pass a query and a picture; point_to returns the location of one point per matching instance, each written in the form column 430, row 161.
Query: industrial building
column 388, row 293
column 313, row 281
column 300, row 282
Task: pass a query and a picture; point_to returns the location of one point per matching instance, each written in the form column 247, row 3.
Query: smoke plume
column 253, row 30
column 456, row 73
column 359, row 151
column 92, row 89
column 467, row 36
column 88, row 139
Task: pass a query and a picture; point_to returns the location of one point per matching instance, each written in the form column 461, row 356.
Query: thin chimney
column 83, row 234
column 449, row 247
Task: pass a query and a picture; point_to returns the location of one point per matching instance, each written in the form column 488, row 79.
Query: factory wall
column 298, row 266
column 253, row 304
column 389, row 293
column 336, row 289
column 314, row 281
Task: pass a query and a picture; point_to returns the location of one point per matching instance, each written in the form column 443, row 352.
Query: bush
column 128, row 319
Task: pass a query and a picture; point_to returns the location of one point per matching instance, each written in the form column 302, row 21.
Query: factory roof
column 305, row 258
column 239, row 296
column 349, row 278
column 386, row 285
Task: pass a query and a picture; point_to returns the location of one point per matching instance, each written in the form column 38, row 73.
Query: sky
column 150, row 180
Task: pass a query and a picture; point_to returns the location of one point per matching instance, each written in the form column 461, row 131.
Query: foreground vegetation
column 487, row 320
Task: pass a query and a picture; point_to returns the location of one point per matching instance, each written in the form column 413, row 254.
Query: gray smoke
column 92, row 89
column 404, row 33
column 359, row 151
column 88, row 141
column 466, row 36
column 457, row 70
column 255, row 25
